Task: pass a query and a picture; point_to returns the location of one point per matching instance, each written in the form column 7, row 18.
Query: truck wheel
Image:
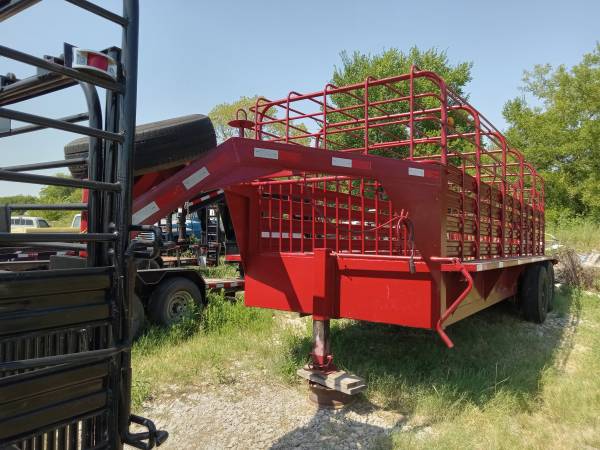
column 550, row 271
column 158, row 145
column 138, row 317
column 172, row 300
column 533, row 293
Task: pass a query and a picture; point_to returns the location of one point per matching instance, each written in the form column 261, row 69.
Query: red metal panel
column 379, row 291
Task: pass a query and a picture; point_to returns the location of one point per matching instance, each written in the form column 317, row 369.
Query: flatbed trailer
column 167, row 293
column 390, row 200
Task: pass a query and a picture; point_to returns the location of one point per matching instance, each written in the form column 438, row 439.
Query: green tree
column 356, row 67
column 560, row 133
column 17, row 200
column 59, row 194
column 223, row 113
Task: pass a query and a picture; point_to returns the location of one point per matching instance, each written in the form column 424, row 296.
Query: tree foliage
column 223, row 113
column 560, row 133
column 356, row 67
column 48, row 195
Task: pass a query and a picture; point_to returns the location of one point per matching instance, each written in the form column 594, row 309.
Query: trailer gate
column 65, row 375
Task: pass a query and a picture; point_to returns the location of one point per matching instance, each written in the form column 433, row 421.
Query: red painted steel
column 375, row 201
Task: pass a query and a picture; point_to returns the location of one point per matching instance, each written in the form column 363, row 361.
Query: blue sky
column 196, row 54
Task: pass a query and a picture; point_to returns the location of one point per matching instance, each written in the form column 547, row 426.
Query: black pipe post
column 94, row 169
column 125, row 178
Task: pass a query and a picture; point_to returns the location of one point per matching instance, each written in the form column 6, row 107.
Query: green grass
column 200, row 347
column 220, row 271
column 582, row 235
column 506, row 384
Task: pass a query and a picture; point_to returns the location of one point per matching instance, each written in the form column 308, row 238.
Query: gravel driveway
column 246, row 414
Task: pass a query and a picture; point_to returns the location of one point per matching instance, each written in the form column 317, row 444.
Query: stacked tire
column 158, row 145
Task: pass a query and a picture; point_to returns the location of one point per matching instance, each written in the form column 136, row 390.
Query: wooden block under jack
column 339, row 380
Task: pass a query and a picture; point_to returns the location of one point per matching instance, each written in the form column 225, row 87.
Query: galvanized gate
column 65, row 374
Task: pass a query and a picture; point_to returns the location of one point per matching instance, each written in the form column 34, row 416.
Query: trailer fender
column 148, row 280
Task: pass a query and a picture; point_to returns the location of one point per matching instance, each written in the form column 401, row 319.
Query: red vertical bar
column 287, row 120
column 324, row 133
column 503, row 193
column 390, row 225
column 478, row 183
column 280, row 217
column 376, row 187
column 324, row 214
column 444, row 122
column 362, row 214
column 314, row 223
column 270, row 217
column 350, row 216
column 462, row 210
column 337, row 215
column 411, row 93
column 291, row 218
column 366, row 112
column 521, row 201
column 302, row 214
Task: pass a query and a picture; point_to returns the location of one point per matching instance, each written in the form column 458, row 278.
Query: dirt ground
column 248, row 414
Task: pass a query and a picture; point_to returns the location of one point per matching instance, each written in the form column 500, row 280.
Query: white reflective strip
column 233, row 284
column 341, row 162
column 195, row 178
column 219, row 285
column 144, row 213
column 416, row 172
column 266, row 153
column 220, row 191
column 275, row 234
column 479, row 267
column 204, row 197
column 500, row 264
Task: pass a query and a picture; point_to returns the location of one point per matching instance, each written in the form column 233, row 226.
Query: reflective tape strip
column 220, row 191
column 219, row 285
column 144, row 213
column 233, row 284
column 266, row 153
column 341, row 162
column 195, row 178
column 275, row 234
column 416, row 172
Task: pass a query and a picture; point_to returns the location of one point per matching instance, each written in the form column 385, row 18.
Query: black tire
column 550, row 271
column 158, row 145
column 170, row 299
column 138, row 317
column 533, row 293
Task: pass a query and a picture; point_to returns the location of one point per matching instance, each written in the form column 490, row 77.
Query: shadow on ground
column 358, row 426
column 494, row 350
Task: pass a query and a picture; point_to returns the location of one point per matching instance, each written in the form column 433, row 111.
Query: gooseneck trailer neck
column 392, row 200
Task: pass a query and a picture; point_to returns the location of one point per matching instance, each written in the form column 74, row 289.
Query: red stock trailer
column 391, row 200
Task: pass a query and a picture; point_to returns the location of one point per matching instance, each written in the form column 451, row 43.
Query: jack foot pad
column 325, row 397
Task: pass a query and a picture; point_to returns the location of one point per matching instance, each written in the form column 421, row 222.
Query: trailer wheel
column 533, row 293
column 172, row 300
column 158, row 145
column 138, row 317
column 550, row 271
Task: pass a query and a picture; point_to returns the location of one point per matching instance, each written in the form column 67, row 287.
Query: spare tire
column 158, row 145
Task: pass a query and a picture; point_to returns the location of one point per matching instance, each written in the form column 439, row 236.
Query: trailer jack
column 328, row 386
